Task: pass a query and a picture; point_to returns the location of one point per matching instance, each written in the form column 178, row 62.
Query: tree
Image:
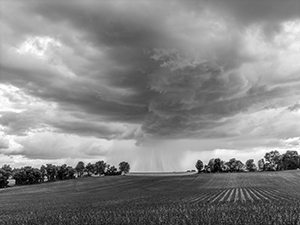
column 124, row 167
column 261, row 165
column 65, row 172
column 111, row 170
column 5, row 172
column 231, row 164
column 273, row 160
column 290, row 160
column 239, row 166
column 51, row 172
column 43, row 172
column 36, row 176
column 217, row 165
column 206, row 169
column 7, row 168
column 250, row 165
column 199, row 165
column 62, row 172
column 70, row 172
column 27, row 175
column 90, row 169
column 225, row 167
column 214, row 165
column 100, row 167
column 80, row 168
column 19, row 175
column 235, row 165
column 211, row 165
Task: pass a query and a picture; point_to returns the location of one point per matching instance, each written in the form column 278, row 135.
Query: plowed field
column 233, row 198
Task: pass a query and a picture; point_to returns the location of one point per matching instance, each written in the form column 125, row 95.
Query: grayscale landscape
column 149, row 112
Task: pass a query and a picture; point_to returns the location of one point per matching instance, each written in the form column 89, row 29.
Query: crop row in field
column 238, row 195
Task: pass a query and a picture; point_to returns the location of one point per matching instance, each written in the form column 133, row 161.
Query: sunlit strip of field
column 160, row 173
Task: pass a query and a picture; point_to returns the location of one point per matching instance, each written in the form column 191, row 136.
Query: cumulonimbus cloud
column 149, row 69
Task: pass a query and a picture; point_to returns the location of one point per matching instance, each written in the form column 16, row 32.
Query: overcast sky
column 159, row 84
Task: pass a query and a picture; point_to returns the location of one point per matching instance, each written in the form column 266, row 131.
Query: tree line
column 49, row 172
column 272, row 161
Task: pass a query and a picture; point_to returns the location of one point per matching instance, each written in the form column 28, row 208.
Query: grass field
column 233, row 198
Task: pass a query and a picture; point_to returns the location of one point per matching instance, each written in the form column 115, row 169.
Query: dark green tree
column 70, row 172
column 211, row 165
column 231, row 165
column 51, row 172
column 80, row 168
column 100, row 167
column 5, row 173
column 65, row 172
column 206, row 169
column 250, row 165
column 62, row 172
column 235, row 165
column 90, row 169
column 239, row 166
column 217, row 166
column 19, row 175
column 199, row 166
column 224, row 166
column 43, row 172
column 290, row 160
column 111, row 170
column 261, row 165
column 273, row 160
column 124, row 167
column 27, row 175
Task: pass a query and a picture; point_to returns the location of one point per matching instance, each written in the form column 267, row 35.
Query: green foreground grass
column 237, row 198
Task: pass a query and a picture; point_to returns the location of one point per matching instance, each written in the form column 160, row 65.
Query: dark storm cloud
column 295, row 107
column 36, row 120
column 172, row 68
column 269, row 11
column 81, row 93
column 19, row 124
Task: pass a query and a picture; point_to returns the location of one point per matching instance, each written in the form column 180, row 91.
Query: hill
column 232, row 198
